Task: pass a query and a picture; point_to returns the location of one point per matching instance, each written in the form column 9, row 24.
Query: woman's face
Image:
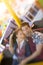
column 20, row 34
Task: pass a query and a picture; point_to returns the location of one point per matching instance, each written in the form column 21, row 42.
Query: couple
column 19, row 45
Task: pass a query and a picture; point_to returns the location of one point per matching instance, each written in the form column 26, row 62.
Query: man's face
column 26, row 30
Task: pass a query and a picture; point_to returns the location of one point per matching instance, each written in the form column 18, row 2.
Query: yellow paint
column 41, row 2
column 1, row 56
column 36, row 63
column 17, row 20
column 0, row 33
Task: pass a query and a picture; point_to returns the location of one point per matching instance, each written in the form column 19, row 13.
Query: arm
column 11, row 49
column 34, row 55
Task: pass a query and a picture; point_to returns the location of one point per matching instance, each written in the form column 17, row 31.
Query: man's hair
column 24, row 24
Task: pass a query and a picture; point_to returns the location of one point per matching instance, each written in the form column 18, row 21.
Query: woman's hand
column 22, row 63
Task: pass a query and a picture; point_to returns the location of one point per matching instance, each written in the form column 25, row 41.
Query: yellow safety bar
column 15, row 17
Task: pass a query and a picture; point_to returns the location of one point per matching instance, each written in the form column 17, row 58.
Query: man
column 37, row 39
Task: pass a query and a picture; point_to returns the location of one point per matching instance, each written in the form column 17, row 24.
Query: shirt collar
column 21, row 44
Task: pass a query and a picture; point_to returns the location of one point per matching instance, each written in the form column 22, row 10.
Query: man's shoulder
column 38, row 33
column 38, row 37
